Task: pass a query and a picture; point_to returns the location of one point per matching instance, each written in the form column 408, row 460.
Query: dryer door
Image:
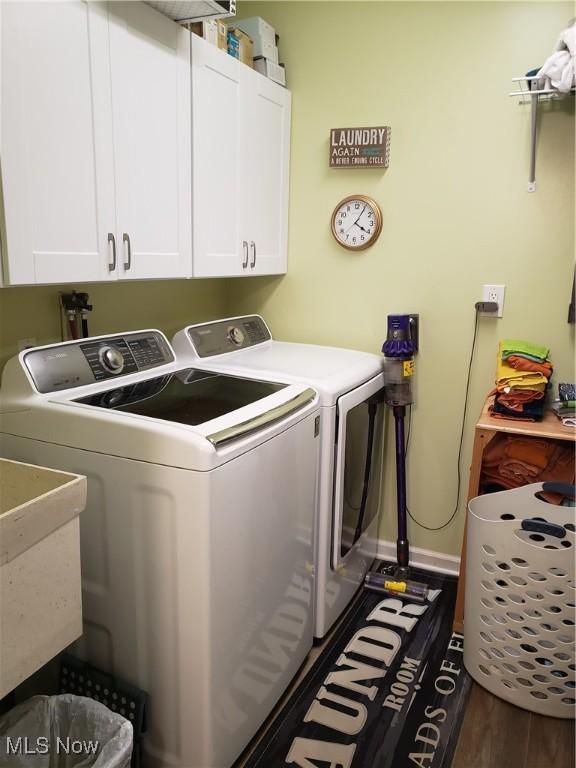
column 358, row 466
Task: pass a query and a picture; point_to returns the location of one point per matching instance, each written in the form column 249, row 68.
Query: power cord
column 479, row 307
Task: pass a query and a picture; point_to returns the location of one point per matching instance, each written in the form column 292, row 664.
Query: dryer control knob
column 111, row 359
column 235, row 335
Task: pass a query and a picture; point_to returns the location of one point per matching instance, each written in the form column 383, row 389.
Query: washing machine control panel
column 231, row 335
column 111, row 359
column 87, row 361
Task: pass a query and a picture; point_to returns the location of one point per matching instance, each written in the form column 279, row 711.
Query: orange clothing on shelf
column 510, row 461
column 523, row 364
column 507, row 376
column 518, row 471
column 515, row 398
column 531, row 450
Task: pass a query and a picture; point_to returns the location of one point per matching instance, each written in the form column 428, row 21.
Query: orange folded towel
column 523, row 364
column 536, row 453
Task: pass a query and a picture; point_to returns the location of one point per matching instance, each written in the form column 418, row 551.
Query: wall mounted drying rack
column 527, row 91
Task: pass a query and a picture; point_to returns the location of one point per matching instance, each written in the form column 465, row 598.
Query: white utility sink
column 40, row 587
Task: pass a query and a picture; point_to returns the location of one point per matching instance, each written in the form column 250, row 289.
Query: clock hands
column 359, row 207
column 357, row 220
column 355, row 223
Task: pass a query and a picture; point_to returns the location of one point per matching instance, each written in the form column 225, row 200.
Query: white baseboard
column 422, row 558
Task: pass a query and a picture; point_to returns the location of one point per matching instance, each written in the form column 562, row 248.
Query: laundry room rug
column 388, row 691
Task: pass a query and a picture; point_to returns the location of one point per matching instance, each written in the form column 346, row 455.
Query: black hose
column 372, row 410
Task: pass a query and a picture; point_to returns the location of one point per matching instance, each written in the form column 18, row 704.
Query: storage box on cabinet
column 240, row 156
column 95, row 142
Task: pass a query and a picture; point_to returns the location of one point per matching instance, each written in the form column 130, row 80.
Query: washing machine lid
column 244, row 346
column 187, row 396
column 330, row 368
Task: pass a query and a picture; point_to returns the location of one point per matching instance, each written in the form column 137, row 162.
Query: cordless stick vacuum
column 399, row 348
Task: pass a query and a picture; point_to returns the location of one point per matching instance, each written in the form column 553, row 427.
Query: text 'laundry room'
column 288, row 384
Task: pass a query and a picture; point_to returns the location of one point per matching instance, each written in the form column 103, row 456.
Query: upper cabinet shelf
column 105, row 176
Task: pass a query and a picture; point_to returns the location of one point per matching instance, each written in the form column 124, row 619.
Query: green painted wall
column 454, row 200
column 456, row 214
column 165, row 304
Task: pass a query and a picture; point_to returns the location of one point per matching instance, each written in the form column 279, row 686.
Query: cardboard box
column 266, row 51
column 213, row 31
column 257, row 29
column 271, row 70
column 233, row 45
column 263, row 36
column 222, row 35
column 245, row 47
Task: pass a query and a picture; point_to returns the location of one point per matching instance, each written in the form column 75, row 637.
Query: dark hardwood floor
column 496, row 734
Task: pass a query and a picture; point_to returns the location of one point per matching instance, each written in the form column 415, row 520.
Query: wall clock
column 356, row 222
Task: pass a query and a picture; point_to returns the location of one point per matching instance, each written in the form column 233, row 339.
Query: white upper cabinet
column 131, row 149
column 216, row 152
column 240, row 157
column 150, row 76
column 94, row 142
column 265, row 141
column 55, row 147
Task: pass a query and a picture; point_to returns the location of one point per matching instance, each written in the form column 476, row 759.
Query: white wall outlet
column 494, row 293
column 26, row 343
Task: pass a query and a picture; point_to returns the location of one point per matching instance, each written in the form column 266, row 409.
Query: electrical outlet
column 26, row 343
column 494, row 293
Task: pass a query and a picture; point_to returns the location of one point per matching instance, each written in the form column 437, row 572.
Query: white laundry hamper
column 520, row 598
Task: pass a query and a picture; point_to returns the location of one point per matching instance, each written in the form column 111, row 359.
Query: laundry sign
column 360, row 147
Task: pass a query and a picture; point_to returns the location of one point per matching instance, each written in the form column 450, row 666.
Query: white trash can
column 64, row 731
column 519, row 616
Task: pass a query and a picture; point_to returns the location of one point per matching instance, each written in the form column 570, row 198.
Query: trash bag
column 64, row 731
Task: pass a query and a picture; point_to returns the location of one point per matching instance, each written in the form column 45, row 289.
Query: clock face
column 356, row 222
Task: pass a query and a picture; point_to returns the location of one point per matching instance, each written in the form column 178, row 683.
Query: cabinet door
column 56, row 142
column 150, row 74
column 216, row 151
column 265, row 138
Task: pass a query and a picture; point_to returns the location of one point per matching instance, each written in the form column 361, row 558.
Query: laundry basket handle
column 541, row 526
column 565, row 489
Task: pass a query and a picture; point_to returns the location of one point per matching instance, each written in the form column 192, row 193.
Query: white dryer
column 350, row 385
column 197, row 536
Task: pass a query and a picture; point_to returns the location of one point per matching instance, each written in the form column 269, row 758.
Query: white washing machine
column 197, row 537
column 350, row 385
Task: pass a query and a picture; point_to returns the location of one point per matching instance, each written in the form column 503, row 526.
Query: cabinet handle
column 128, row 262
column 245, row 251
column 112, row 239
column 253, row 246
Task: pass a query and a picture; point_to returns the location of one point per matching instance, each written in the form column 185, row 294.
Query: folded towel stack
column 522, row 374
column 510, row 461
column 565, row 406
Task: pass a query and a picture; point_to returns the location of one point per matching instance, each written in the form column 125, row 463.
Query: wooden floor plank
column 494, row 734
column 551, row 743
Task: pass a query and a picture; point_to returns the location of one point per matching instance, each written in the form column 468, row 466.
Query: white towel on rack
column 559, row 70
